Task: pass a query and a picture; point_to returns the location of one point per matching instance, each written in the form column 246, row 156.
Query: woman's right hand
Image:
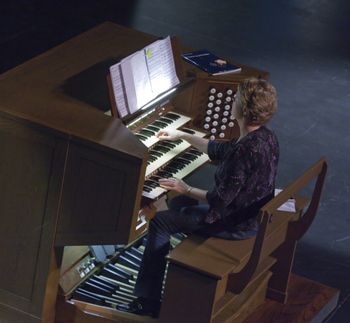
column 174, row 184
column 172, row 134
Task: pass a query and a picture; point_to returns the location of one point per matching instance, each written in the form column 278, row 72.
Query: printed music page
column 118, row 89
column 161, row 66
column 137, row 81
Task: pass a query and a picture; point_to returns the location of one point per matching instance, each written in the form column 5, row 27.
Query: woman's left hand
column 174, row 184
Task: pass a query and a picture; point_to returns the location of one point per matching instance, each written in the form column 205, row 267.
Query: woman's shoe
column 141, row 306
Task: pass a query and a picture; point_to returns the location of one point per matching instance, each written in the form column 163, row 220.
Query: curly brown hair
column 258, row 100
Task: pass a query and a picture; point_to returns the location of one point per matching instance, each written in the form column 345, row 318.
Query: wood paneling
column 30, row 177
column 98, row 191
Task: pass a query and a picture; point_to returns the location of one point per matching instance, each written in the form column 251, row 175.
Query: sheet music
column 118, row 89
column 161, row 66
column 137, row 81
column 141, row 77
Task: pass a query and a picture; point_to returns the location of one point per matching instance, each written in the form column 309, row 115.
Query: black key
column 172, row 169
column 188, row 156
column 183, row 160
column 154, row 180
column 122, row 271
column 88, row 287
column 195, row 152
column 166, row 120
column 167, row 144
column 177, row 166
column 188, row 131
column 131, row 260
column 164, row 174
column 95, row 294
column 115, row 283
column 146, row 133
column 155, row 153
column 141, row 137
column 127, row 263
column 118, row 271
column 134, row 255
column 172, row 116
column 116, row 280
column 151, row 184
column 162, row 149
column 137, row 251
column 103, row 281
column 153, row 128
column 153, row 159
column 147, row 189
column 100, row 283
column 148, row 185
column 159, row 124
column 96, row 288
column 80, row 295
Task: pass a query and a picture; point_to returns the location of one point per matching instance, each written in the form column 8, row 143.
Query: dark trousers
column 184, row 215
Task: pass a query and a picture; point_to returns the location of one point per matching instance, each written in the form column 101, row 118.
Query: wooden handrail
column 319, row 168
column 238, row 281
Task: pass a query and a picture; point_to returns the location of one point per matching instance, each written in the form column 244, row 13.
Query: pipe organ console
column 75, row 176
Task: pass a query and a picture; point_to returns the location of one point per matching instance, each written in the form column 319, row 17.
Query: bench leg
column 188, row 297
column 278, row 284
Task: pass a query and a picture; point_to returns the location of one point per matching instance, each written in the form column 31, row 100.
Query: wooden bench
column 217, row 280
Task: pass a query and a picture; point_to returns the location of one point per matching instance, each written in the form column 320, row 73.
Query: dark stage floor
column 305, row 45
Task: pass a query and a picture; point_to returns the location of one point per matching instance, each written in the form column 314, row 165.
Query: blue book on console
column 210, row 63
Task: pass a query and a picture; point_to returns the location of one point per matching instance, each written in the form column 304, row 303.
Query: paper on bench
column 288, row 206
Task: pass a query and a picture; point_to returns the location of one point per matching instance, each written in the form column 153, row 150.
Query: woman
column 244, row 181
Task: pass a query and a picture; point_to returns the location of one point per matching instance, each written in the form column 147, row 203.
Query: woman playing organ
column 244, row 181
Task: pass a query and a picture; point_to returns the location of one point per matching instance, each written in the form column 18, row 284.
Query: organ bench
column 216, row 280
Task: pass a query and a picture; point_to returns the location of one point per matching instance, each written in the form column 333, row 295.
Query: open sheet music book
column 143, row 77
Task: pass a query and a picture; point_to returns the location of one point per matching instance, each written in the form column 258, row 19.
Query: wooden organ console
column 72, row 176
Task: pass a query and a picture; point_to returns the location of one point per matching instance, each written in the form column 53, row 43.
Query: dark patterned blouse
column 244, row 179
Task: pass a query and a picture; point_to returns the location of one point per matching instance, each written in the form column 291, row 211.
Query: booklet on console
column 210, row 63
